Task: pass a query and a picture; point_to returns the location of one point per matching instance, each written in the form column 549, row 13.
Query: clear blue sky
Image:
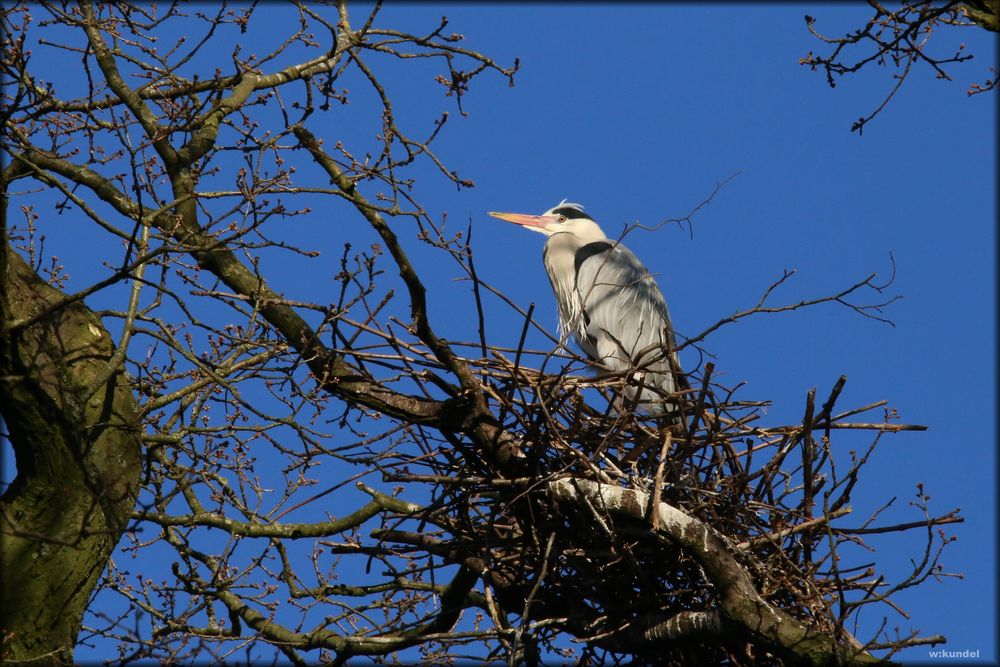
column 637, row 111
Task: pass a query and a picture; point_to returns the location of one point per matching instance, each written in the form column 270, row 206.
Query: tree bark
column 984, row 12
column 742, row 610
column 77, row 449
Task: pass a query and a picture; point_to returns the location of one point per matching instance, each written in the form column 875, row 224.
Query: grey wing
column 625, row 314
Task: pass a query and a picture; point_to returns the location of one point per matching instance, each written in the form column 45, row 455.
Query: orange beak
column 526, row 220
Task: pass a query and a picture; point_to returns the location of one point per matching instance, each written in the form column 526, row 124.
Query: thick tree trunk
column 984, row 12
column 74, row 431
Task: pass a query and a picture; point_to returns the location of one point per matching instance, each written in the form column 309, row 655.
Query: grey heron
column 608, row 302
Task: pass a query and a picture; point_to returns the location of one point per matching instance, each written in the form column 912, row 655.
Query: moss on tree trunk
column 77, row 448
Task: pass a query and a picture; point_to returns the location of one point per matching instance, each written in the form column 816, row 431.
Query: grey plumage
column 608, row 302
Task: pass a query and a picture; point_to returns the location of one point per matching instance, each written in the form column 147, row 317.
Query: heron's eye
column 562, row 219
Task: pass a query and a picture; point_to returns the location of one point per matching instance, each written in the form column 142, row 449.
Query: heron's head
column 563, row 218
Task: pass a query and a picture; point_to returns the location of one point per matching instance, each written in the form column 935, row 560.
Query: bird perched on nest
column 609, row 302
